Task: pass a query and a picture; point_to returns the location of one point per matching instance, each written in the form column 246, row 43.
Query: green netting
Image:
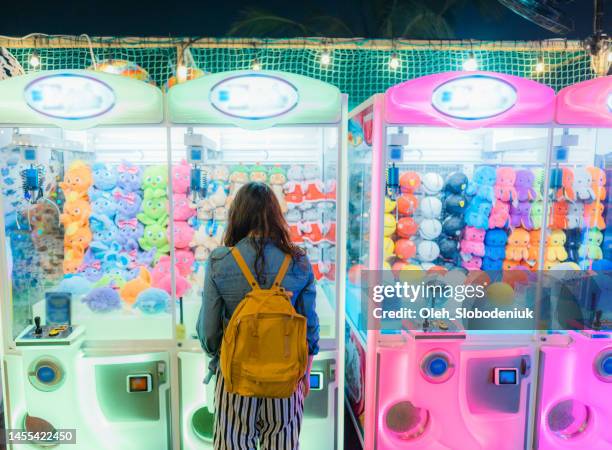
column 357, row 68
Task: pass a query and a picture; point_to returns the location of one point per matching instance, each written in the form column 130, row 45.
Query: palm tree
column 432, row 19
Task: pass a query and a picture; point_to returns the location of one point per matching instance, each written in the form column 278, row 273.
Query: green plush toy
column 258, row 173
column 591, row 249
column 155, row 181
column 155, row 237
column 538, row 182
column 154, row 211
column 537, row 214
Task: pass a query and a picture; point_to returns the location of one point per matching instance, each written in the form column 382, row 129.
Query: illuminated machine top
column 586, row 104
column 254, row 100
column 468, row 100
column 78, row 99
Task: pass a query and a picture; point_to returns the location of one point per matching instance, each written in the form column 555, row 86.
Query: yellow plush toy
column 129, row 292
column 77, row 180
column 517, row 248
column 555, row 250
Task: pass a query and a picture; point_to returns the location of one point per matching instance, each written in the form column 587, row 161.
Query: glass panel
column 74, row 223
column 300, row 164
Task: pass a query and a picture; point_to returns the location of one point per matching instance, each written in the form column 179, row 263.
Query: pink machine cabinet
column 575, row 382
column 414, row 154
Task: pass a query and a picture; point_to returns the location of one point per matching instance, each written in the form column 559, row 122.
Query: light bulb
column 470, row 64
column 256, row 65
column 325, row 58
column 34, row 60
column 394, row 62
column 181, row 72
column 540, row 67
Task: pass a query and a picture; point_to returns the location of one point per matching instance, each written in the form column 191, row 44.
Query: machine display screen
column 506, row 376
column 139, row 383
column 69, row 96
column 474, row 97
column 316, row 381
column 58, row 308
column 254, row 97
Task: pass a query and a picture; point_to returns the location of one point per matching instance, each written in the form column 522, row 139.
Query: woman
column 257, row 228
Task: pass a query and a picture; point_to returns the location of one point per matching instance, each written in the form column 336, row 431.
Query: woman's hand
column 306, row 385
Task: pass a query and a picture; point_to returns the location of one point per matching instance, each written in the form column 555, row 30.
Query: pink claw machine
column 446, row 176
column 576, row 365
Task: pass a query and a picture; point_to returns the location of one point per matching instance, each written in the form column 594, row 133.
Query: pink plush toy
column 183, row 208
column 184, row 261
column 473, row 241
column 181, row 178
column 474, row 263
column 183, row 234
column 504, row 185
column 500, row 215
column 162, row 277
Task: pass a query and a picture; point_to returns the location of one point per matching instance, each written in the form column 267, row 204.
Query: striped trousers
column 241, row 423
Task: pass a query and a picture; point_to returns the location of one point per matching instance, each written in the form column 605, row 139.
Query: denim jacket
column 225, row 287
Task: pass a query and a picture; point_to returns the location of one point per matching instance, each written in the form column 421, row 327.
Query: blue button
column 438, row 366
column 606, row 366
column 46, row 374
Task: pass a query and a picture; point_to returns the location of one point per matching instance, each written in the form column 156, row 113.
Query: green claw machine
column 86, row 291
column 286, row 130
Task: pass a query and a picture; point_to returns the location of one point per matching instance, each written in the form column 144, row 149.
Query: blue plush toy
column 103, row 299
column 453, row 226
column 477, row 213
column 495, row 245
column 492, row 264
column 482, row 186
column 104, row 205
column 152, row 301
column 455, row 204
column 104, row 180
column 77, row 285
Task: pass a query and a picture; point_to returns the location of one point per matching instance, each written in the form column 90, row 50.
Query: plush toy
column 78, row 237
column 154, row 211
column 77, row 181
column 129, row 232
column 567, row 189
column 453, row 226
column 407, row 204
column 504, row 185
column 129, row 177
column 430, row 229
column 294, row 190
column 430, row 208
column 184, row 261
column 524, row 185
column 258, row 173
column 492, row 264
column 520, row 215
column 155, row 182
column 598, row 178
column 477, row 213
column 153, row 301
column 456, row 183
column 183, row 234
column 405, row 249
column 575, row 213
column 482, row 184
column 559, row 215
column 593, row 215
column 239, row 176
column 473, row 241
column 495, row 244
column 427, row 251
column 104, row 204
column 573, row 241
column 76, row 285
column 128, row 203
column 537, row 214
column 181, row 178
column 105, row 232
column 449, row 248
column 500, row 215
column 455, row 204
column 406, row 227
column 104, row 180
column 183, row 209
column 583, row 185
column 432, row 183
column 129, row 292
column 409, row 182
column 472, row 263
column 534, row 247
column 555, row 246
column 76, row 214
column 162, row 278
column 199, row 243
column 155, row 237
column 102, row 300
column 555, row 182
column 517, row 248
column 277, row 182
column 73, row 258
column 204, row 210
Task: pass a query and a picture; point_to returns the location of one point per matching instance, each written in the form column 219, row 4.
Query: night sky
column 213, row 18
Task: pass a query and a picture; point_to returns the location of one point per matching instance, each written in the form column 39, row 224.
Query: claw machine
column 573, row 410
column 88, row 337
column 446, row 178
column 288, row 131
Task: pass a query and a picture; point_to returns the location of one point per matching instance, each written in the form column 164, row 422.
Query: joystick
column 38, row 330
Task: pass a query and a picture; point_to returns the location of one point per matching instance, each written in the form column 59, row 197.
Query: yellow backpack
column 264, row 352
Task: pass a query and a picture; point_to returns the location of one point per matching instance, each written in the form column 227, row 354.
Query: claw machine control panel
column 83, row 153
column 287, row 131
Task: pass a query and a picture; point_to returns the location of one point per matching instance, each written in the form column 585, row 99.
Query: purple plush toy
column 524, row 185
column 130, row 177
column 129, row 231
column 520, row 215
column 128, row 203
column 91, row 267
column 103, row 299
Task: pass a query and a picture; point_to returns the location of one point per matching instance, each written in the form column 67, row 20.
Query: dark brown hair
column 255, row 212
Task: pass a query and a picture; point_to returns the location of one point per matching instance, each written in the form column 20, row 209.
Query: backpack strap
column 244, row 268
column 282, row 271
